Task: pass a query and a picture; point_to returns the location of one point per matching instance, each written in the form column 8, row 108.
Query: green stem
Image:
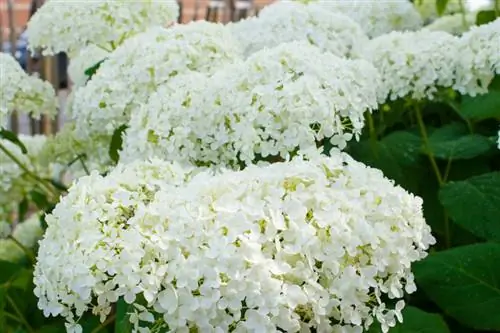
column 373, row 133
column 425, row 139
column 456, row 108
column 20, row 314
column 15, row 318
column 497, row 8
column 26, row 251
column 104, row 324
column 462, row 10
column 30, row 173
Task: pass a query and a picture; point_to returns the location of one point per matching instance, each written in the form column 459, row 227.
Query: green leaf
column 90, row 72
column 475, row 204
column 22, row 209
column 122, row 323
column 441, row 6
column 39, row 199
column 481, row 107
column 12, row 137
column 3, row 303
column 453, row 142
column 417, row 321
column 485, row 16
column 465, row 283
column 116, row 143
column 8, row 271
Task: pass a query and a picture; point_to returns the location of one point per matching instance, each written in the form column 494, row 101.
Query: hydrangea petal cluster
column 288, row 21
column 289, row 247
column 22, row 92
column 276, row 102
column 74, row 265
column 86, row 58
column 415, row 64
column 482, row 62
column 69, row 26
column 455, row 24
column 14, row 184
column 135, row 70
column 378, row 17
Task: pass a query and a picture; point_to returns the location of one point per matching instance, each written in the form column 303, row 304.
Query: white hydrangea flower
column 482, row 61
column 277, row 101
column 415, row 64
column 69, row 26
column 453, row 24
column 71, row 269
column 86, row 58
column 28, row 233
column 22, row 92
column 14, row 184
column 134, row 71
column 292, row 246
column 378, row 17
column 428, row 8
column 288, row 21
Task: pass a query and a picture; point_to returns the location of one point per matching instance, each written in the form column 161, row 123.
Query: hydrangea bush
column 279, row 174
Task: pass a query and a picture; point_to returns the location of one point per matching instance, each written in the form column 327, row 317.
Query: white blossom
column 378, row 17
column 69, row 26
column 86, row 58
column 87, row 250
column 291, row 246
column 135, row 70
column 22, row 92
column 415, row 64
column 482, row 60
column 455, row 24
column 277, row 101
column 287, row 21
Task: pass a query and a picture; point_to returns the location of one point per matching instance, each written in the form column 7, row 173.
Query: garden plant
column 325, row 166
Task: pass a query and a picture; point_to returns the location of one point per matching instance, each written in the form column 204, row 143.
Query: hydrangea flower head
column 378, row 17
column 288, row 21
column 287, row 247
column 23, row 93
column 86, row 58
column 69, row 26
column 278, row 101
column 135, row 70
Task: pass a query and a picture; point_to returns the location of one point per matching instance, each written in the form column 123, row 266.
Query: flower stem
column 26, row 251
column 462, row 10
column 20, row 314
column 425, row 139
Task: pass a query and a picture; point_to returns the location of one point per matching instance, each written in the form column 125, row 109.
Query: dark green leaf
column 453, row 142
column 22, row 209
column 116, row 143
column 12, row 137
column 8, row 271
column 481, row 107
column 441, row 6
column 54, row 328
column 122, row 323
column 485, row 16
column 3, row 292
column 465, row 283
column 90, row 72
column 475, row 204
column 39, row 199
column 417, row 321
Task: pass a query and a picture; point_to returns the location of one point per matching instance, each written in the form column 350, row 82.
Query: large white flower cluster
column 415, row 64
column 289, row 247
column 279, row 100
column 288, row 21
column 22, row 92
column 14, row 182
column 69, row 26
column 86, row 58
column 135, row 70
column 74, row 265
column 378, row 17
column 482, row 61
column 455, row 24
